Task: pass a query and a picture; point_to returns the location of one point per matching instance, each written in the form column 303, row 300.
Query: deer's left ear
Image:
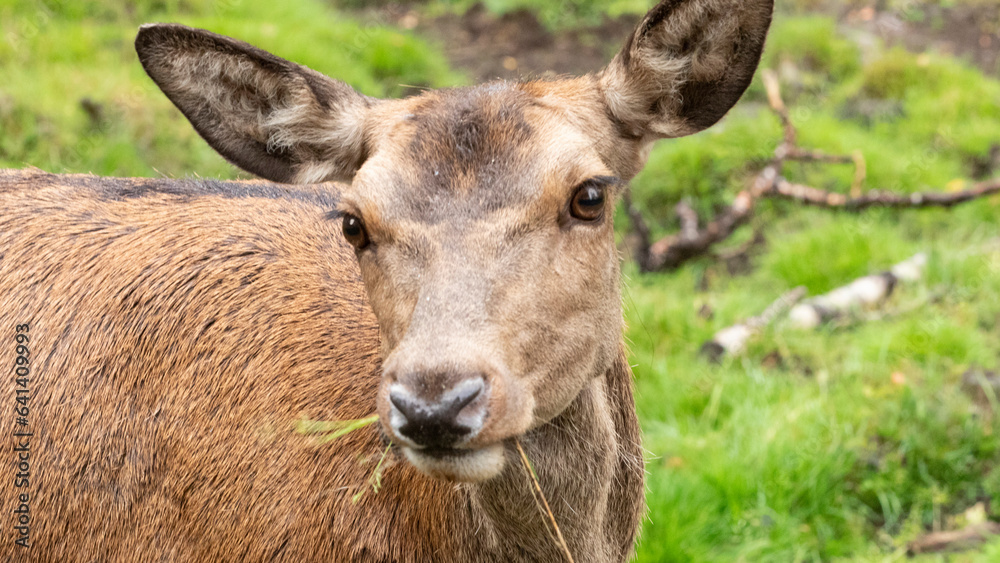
column 685, row 65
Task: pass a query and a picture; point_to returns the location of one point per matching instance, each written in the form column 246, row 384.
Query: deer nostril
column 404, row 402
column 440, row 423
column 463, row 394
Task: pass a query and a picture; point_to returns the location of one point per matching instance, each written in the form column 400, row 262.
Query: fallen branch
column 854, row 298
column 672, row 251
column 640, row 230
column 821, row 198
column 861, row 294
column 968, row 538
column 881, row 315
column 733, row 339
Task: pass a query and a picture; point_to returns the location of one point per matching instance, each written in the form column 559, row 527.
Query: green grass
column 822, row 456
column 825, row 456
column 54, row 55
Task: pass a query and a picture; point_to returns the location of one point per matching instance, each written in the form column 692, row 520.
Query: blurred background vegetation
column 845, row 443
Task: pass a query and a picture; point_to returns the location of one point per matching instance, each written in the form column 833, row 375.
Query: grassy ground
column 838, row 444
column 73, row 96
column 823, row 454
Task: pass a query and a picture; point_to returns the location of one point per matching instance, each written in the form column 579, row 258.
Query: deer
column 444, row 261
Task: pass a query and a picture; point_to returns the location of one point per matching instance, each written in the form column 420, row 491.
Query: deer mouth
column 440, row 452
column 458, row 464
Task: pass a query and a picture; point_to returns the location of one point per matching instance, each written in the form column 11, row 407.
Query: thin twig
column 778, row 105
column 811, row 155
column 639, row 227
column 860, row 173
column 733, row 339
column 809, row 195
column 538, row 490
column 783, row 303
column 671, row 252
column 970, row 536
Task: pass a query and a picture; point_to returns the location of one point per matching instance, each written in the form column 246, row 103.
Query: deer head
column 481, row 216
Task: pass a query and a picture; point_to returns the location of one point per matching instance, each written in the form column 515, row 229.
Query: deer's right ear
column 685, row 65
column 269, row 116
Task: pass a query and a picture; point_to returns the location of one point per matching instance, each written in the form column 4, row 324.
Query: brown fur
column 204, row 333
column 180, row 328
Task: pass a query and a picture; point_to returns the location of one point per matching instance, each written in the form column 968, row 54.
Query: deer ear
column 269, row 116
column 685, row 65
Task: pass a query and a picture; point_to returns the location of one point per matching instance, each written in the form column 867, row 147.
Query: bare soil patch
column 487, row 46
column 971, row 32
column 514, row 45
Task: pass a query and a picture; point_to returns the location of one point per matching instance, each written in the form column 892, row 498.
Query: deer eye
column 588, row 202
column 354, row 232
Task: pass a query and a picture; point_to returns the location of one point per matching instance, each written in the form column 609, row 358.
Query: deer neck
column 588, row 462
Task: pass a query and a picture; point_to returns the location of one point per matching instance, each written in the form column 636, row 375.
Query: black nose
column 452, row 417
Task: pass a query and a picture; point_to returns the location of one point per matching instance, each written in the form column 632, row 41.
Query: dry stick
column 771, row 84
column 821, row 198
column 906, row 309
column 779, row 306
column 810, row 155
column 671, row 251
column 867, row 291
column 733, row 339
column 780, row 187
column 966, row 538
column 538, row 490
column 640, row 228
column 860, row 172
column 861, row 294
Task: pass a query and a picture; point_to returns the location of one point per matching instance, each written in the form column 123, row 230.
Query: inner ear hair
column 271, row 117
column 685, row 65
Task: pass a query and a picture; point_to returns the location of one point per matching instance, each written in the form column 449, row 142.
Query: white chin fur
column 473, row 466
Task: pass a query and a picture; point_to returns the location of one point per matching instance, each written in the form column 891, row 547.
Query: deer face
column 480, row 217
column 482, row 226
